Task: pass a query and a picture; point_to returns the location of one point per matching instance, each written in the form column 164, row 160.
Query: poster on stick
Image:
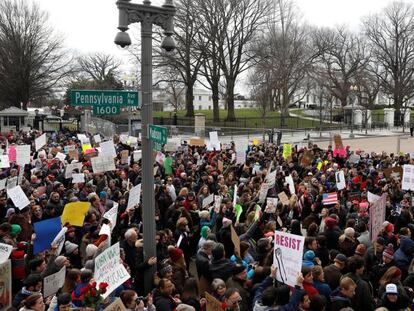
column 287, row 256
column 377, row 216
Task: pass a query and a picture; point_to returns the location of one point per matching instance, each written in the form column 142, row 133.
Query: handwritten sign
column 117, row 305
column 59, row 240
column 134, row 197
column 78, row 178
column 40, row 141
column 196, row 142
column 53, row 282
column 271, row 204
column 74, row 213
column 112, row 214
column 5, row 251
column 287, row 151
column 108, row 148
column 283, row 198
column 18, row 197
column 287, row 256
column 109, row 269
column 4, row 161
column 6, row 284
column 23, row 154
column 207, row 201
column 377, row 216
column 340, row 180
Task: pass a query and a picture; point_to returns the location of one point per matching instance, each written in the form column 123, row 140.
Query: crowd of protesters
column 343, row 268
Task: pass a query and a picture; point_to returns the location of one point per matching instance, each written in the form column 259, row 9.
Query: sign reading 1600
column 105, row 101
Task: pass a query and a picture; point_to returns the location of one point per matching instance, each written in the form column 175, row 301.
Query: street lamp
column 352, row 88
column 147, row 15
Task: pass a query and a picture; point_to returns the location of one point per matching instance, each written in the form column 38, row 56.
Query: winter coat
column 339, row 301
column 245, row 295
column 162, row 302
column 332, row 276
column 202, row 264
column 224, row 236
column 347, row 246
column 221, row 269
column 362, row 299
column 404, row 254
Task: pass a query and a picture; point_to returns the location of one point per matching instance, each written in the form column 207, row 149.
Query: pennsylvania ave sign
column 104, row 98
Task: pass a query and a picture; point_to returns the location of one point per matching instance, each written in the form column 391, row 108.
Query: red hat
column 330, row 222
column 51, row 177
column 175, row 253
column 389, row 228
column 360, row 250
column 388, row 252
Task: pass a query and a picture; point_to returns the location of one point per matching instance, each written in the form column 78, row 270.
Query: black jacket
column 202, row 264
column 221, row 269
column 162, row 302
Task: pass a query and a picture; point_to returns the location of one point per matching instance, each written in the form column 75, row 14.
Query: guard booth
column 13, row 118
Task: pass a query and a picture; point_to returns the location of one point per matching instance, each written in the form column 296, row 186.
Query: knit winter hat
column 388, row 252
column 70, row 247
column 349, row 232
column 91, row 250
column 309, row 255
column 226, row 222
column 204, row 231
column 15, row 229
column 175, row 253
column 60, row 260
column 330, row 222
column 389, row 228
column 360, row 250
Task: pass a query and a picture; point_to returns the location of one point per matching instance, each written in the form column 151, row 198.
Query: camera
column 142, row 298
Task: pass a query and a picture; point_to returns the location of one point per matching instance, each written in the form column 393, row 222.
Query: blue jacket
column 322, row 288
column 291, row 306
column 339, row 301
column 404, row 254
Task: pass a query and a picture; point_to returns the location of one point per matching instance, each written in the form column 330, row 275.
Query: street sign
column 104, row 97
column 106, row 110
column 158, row 135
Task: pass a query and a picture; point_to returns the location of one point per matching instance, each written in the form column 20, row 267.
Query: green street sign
column 104, row 97
column 106, row 110
column 158, row 134
column 157, row 146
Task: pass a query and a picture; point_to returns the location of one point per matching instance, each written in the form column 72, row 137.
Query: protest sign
column 12, row 182
column 3, row 183
column 377, row 216
column 105, row 230
column 271, row 204
column 12, row 153
column 117, row 305
column 53, row 282
column 20, row 176
column 172, row 145
column 137, row 154
column 287, row 151
column 283, row 198
column 354, row 158
column 109, row 269
column 134, row 197
column 408, row 177
column 97, row 138
column 287, row 256
column 103, row 163
column 240, row 157
column 73, row 154
column 212, row 303
column 70, row 168
column 40, row 142
column 236, row 241
column 74, row 213
column 124, row 156
column 338, row 142
column 45, row 231
column 160, row 157
column 23, row 154
column 235, row 195
column 59, row 240
column 197, row 142
column 271, row 178
column 340, row 180
column 6, row 285
column 307, row 158
column 83, row 138
column 78, row 178
column 18, row 197
column 264, row 188
column 61, row 156
column 168, row 166
column 112, row 215
column 214, row 143
column 372, row 197
column 108, row 148
column 208, row 200
column 4, row 161
column 217, row 202
column 395, row 172
column 5, row 251
column 289, row 180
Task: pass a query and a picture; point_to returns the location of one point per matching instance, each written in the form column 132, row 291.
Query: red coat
column 18, row 268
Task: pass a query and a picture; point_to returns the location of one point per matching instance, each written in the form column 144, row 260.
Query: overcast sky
column 90, row 25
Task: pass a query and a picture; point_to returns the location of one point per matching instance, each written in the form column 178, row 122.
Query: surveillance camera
column 122, row 39
column 168, row 44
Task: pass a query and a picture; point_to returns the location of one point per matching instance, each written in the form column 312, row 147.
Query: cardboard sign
column 283, row 198
column 117, row 305
column 23, row 154
column 307, row 158
column 197, row 142
column 236, row 242
column 109, row 269
column 124, row 156
column 6, row 283
column 377, row 216
column 52, row 283
column 287, row 256
column 338, row 142
column 74, row 154
column 271, row 204
column 395, row 172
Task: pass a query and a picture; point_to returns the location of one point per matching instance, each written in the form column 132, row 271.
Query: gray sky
column 90, row 25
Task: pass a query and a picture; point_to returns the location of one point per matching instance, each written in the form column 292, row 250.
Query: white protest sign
column 4, row 161
column 103, row 164
column 112, row 215
column 235, row 195
column 271, row 178
column 256, row 169
column 40, row 141
column 263, row 192
column 105, row 230
column 377, row 216
column 5, row 251
column 18, row 197
column 108, row 148
column 134, row 196
column 214, row 143
column 97, row 138
column 207, row 201
column 240, row 157
column 78, row 178
column 217, row 202
column 271, row 204
column 160, row 158
column 23, row 154
column 408, row 177
column 59, row 240
column 20, row 177
column 287, row 256
column 52, row 283
column 109, row 269
column 3, row 183
column 70, row 168
column 340, row 180
column 61, row 156
column 11, row 182
column 289, row 180
column 172, row 145
column 83, row 138
column 372, row 197
column 137, row 155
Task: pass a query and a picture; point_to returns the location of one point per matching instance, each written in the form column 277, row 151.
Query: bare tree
column 340, row 54
column 241, row 21
column 101, row 68
column 391, row 37
column 187, row 58
column 32, row 60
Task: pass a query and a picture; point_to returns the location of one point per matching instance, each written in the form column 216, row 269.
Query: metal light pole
column 147, row 15
column 353, row 88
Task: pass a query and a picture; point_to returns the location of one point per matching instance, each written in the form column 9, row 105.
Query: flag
column 330, row 198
